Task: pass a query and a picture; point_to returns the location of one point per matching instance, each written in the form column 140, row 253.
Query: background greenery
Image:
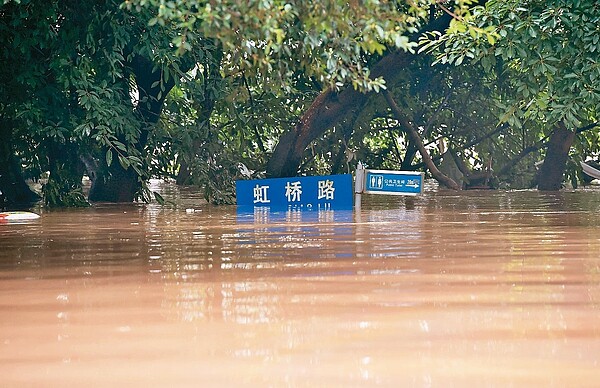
column 203, row 92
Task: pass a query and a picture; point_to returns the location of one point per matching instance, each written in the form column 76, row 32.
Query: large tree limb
column 507, row 168
column 416, row 139
column 536, row 147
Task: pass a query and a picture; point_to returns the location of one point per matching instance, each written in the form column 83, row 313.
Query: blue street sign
column 310, row 193
column 393, row 182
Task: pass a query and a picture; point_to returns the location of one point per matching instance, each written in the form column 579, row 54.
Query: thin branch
column 588, row 127
column 447, row 10
column 412, row 132
column 261, row 146
column 443, row 104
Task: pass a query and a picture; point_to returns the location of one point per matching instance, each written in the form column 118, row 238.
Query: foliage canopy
column 202, row 91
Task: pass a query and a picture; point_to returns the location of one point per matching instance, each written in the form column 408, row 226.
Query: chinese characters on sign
column 326, row 189
column 379, row 182
column 386, row 182
column 293, row 191
column 320, row 192
column 260, row 194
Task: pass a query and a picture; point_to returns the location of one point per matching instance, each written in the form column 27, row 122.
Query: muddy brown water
column 470, row 289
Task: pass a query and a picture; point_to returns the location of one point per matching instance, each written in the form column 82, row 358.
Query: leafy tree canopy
column 331, row 42
column 203, row 90
column 546, row 50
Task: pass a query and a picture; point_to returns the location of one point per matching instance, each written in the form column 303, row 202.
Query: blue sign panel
column 310, row 193
column 393, row 182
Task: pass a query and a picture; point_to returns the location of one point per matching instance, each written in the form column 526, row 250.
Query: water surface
column 470, row 289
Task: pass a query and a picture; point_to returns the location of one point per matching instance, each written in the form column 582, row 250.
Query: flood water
column 469, row 289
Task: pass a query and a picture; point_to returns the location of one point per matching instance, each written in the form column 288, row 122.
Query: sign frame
column 390, row 182
column 397, row 187
column 326, row 192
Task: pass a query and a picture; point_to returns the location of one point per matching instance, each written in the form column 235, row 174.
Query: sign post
column 387, row 182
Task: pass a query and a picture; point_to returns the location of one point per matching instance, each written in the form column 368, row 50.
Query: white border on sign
column 360, row 184
column 394, row 172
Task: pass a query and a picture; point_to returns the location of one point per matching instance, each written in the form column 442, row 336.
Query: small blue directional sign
column 393, row 182
column 310, row 193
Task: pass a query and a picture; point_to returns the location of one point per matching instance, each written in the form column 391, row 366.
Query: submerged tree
column 346, row 84
column 348, row 49
column 83, row 86
column 207, row 92
column 548, row 53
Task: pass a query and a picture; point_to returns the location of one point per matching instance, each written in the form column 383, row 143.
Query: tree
column 208, row 92
column 547, row 51
column 84, row 83
column 348, row 59
column 331, row 107
column 13, row 188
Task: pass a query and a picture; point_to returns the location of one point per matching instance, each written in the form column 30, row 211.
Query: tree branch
column 414, row 135
column 588, row 127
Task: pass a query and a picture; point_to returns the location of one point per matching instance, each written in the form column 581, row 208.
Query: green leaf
column 159, row 198
column 120, row 146
column 109, row 157
column 124, row 162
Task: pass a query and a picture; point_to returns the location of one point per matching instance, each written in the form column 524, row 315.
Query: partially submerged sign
column 314, row 192
column 325, row 192
column 388, row 182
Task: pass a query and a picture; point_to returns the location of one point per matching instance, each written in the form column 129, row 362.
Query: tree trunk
column 550, row 177
column 329, row 108
column 63, row 188
column 341, row 162
column 114, row 183
column 119, row 186
column 14, row 191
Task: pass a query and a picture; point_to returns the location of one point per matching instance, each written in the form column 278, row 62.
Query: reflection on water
column 485, row 288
